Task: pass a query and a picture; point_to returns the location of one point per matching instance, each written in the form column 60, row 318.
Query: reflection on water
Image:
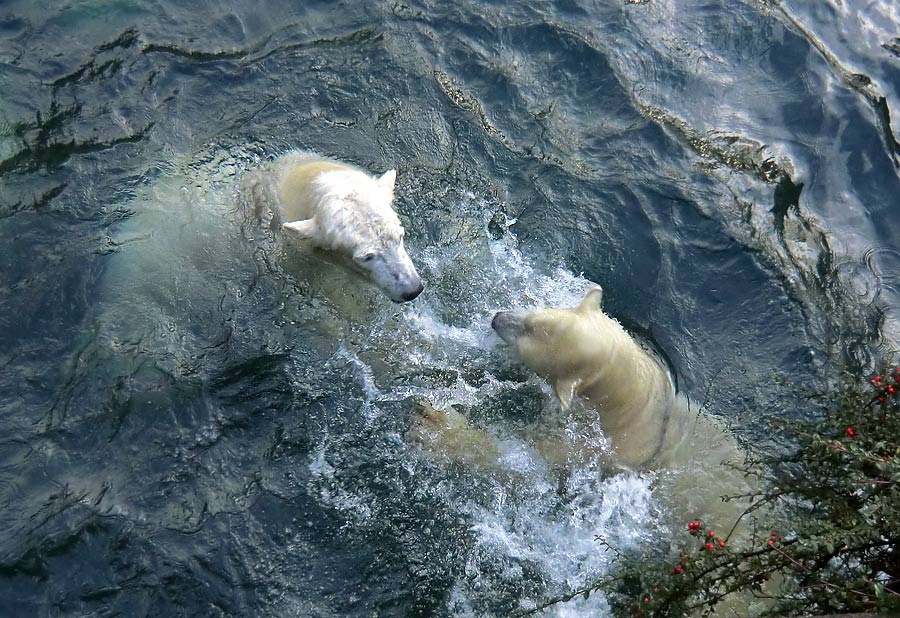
column 194, row 423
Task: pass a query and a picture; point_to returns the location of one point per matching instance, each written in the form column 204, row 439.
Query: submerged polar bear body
column 328, row 205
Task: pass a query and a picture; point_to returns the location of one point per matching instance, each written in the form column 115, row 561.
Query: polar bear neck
column 296, row 199
column 628, row 379
column 634, row 397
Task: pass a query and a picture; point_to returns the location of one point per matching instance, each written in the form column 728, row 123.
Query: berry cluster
column 887, row 391
column 646, row 599
column 694, row 529
column 710, row 542
column 886, row 387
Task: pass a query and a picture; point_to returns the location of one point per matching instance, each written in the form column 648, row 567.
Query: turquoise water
column 190, row 425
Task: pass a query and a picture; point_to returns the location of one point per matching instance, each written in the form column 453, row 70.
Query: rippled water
column 192, row 426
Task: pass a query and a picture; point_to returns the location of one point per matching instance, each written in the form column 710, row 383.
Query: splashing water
column 534, row 524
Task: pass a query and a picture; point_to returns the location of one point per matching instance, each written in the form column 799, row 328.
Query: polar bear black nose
column 412, row 294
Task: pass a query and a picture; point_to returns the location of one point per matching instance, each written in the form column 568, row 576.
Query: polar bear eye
column 368, row 257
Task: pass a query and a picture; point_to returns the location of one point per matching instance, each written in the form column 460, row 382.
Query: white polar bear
column 324, row 204
column 631, row 406
column 582, row 352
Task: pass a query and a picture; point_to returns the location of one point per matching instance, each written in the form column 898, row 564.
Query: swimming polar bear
column 631, row 406
column 327, row 205
column 583, row 353
column 632, row 417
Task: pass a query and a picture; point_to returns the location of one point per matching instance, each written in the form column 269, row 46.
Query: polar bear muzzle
column 393, row 272
column 508, row 325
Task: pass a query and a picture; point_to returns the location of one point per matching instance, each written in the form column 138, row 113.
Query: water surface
column 191, row 427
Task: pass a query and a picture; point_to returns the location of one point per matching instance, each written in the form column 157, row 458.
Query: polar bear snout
column 508, row 325
column 409, row 291
column 394, row 273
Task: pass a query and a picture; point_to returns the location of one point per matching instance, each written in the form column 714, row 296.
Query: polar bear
column 621, row 410
column 582, row 352
column 327, row 205
column 631, row 399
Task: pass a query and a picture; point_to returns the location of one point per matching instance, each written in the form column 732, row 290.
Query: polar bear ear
column 592, row 300
column 565, row 390
column 301, row 230
column 388, row 179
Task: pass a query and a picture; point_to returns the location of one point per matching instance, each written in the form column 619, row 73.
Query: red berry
column 711, row 533
column 881, row 399
column 646, row 599
column 877, row 378
column 890, row 389
column 771, row 542
column 773, row 533
column 721, row 543
column 850, row 432
column 676, row 571
column 710, row 546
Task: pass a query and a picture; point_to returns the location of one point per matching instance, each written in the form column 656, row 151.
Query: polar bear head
column 354, row 220
column 571, row 348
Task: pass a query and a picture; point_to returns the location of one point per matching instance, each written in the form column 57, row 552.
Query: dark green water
column 188, row 427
